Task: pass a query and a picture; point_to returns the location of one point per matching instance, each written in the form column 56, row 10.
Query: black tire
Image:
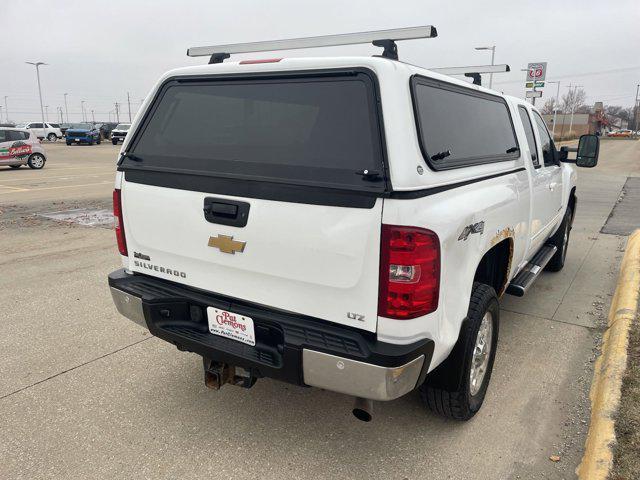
column 15, row 166
column 52, row 137
column 36, row 161
column 448, row 390
column 115, row 142
column 99, row 141
column 561, row 240
column 69, row 144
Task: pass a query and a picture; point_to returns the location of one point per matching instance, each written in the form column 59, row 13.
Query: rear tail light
column 118, row 222
column 409, row 272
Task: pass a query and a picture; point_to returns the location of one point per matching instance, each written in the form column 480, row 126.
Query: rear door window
column 311, row 130
column 548, row 149
column 16, row 135
column 458, row 126
column 531, row 139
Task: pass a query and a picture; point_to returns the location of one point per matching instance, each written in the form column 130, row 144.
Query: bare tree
column 549, row 106
column 616, row 111
column 573, row 100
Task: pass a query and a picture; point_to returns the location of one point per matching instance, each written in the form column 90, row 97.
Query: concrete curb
column 610, row 366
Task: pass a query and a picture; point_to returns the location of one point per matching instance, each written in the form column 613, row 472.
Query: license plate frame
column 231, row 325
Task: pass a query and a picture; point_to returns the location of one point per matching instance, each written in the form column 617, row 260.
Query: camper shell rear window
column 304, row 129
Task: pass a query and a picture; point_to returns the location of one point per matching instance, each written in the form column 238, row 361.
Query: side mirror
column 588, row 150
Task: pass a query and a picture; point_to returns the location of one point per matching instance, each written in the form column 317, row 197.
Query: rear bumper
column 292, row 348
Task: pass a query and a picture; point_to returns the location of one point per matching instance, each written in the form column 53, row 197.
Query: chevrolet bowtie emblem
column 226, row 244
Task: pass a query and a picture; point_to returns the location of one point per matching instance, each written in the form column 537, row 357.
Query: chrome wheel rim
column 37, row 161
column 481, row 353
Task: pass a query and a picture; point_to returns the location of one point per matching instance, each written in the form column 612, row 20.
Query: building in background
column 583, row 123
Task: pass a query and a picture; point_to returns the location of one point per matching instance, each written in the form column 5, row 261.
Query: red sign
column 20, row 151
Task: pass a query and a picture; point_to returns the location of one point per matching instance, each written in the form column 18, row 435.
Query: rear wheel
column 561, row 241
column 115, row 142
column 36, row 161
column 457, row 387
column 52, row 137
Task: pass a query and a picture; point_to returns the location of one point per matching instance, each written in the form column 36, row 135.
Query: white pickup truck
column 347, row 223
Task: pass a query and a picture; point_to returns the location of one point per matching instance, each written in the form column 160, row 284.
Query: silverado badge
column 227, row 244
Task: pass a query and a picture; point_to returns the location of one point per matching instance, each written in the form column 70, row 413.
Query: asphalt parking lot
column 85, row 393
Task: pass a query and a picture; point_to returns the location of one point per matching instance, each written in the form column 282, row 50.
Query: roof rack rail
column 379, row 38
column 473, row 71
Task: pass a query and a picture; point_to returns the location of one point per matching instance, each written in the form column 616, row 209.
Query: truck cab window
column 531, row 140
column 548, row 149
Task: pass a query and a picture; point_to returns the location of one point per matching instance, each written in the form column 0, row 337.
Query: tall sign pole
column 536, row 73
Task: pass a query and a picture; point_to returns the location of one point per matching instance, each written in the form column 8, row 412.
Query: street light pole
column 6, row 108
column 555, row 107
column 37, row 65
column 66, row 108
column 635, row 109
column 129, row 104
column 84, row 119
column 493, row 57
column 93, row 116
column 46, row 112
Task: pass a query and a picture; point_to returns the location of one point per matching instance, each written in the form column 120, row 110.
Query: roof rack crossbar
column 380, row 38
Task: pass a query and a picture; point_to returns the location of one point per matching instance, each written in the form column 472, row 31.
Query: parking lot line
column 65, row 177
column 18, row 190
column 12, row 188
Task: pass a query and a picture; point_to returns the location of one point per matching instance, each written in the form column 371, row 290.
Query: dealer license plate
column 231, row 325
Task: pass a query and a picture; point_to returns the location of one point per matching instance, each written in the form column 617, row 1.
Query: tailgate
column 315, row 260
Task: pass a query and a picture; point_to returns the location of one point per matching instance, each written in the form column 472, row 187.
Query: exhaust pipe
column 363, row 409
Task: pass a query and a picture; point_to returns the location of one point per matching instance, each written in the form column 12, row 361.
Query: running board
column 525, row 278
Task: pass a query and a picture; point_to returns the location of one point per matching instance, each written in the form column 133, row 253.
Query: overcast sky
column 98, row 51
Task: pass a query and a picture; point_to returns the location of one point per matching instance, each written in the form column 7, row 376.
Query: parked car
column 119, row 133
column 83, row 133
column 305, row 237
column 106, row 129
column 49, row 132
column 20, row 147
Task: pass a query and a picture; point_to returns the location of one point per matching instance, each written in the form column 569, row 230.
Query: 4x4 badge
column 226, row 244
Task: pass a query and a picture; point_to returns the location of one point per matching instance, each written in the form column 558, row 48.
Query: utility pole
column 573, row 105
column 37, row 65
column 66, row 108
column 6, row 108
column 129, row 104
column 117, row 112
